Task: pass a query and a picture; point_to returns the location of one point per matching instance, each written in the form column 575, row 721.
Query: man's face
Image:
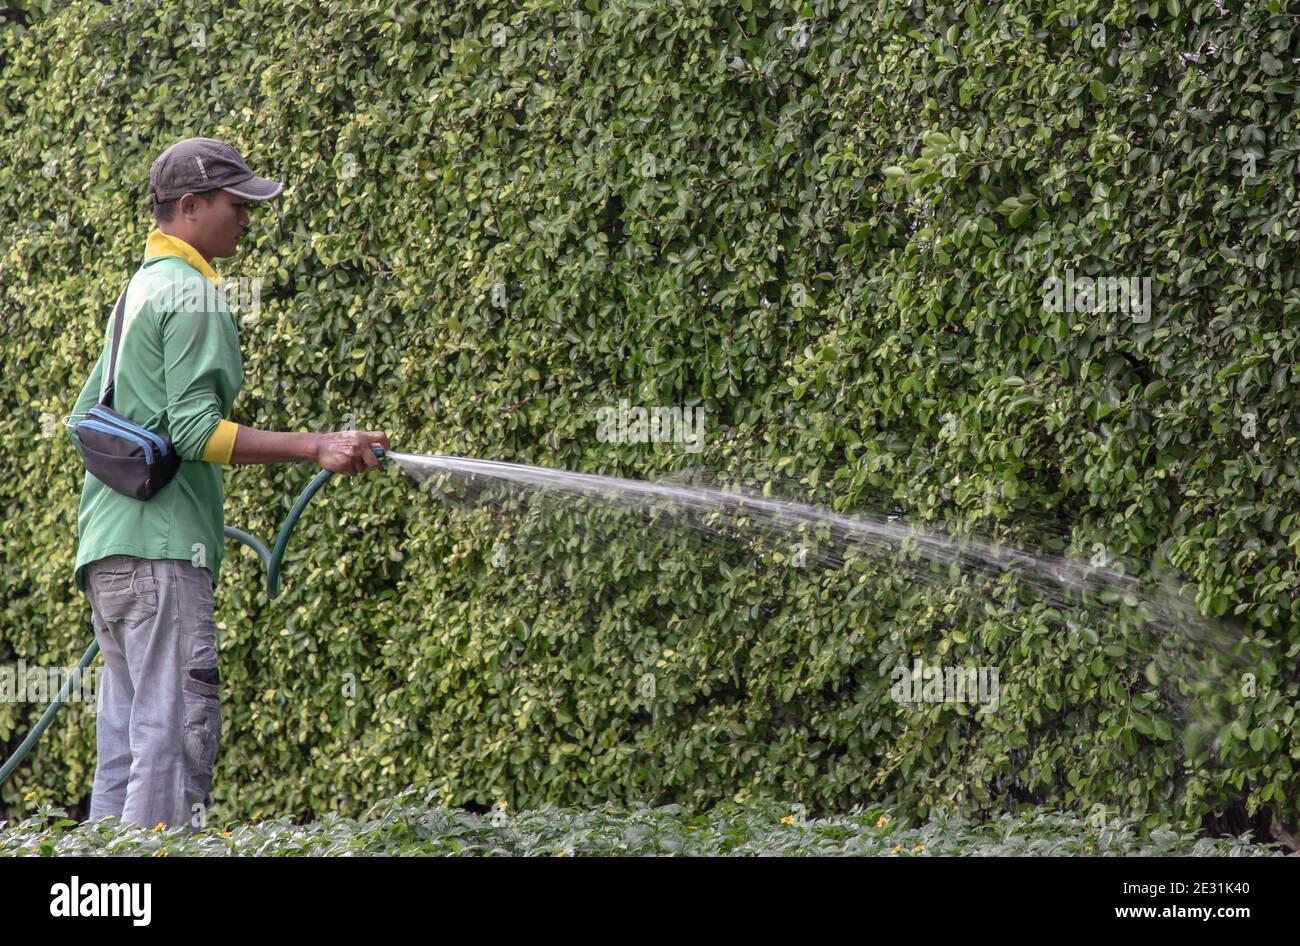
column 217, row 220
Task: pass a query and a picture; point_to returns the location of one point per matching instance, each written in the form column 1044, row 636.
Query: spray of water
column 695, row 506
column 1193, row 646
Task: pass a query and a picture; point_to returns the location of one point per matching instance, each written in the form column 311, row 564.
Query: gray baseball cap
column 196, row 165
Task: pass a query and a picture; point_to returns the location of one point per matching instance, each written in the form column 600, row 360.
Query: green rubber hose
column 271, row 559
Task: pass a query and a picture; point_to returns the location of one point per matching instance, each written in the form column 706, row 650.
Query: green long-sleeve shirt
column 178, row 371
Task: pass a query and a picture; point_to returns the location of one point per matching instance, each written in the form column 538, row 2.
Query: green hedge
column 829, row 225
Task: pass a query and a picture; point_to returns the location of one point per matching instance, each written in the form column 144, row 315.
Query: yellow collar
column 164, row 244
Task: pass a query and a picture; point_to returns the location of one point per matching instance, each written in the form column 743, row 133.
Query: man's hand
column 349, row 451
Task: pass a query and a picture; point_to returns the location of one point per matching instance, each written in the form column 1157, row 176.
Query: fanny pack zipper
column 124, row 434
column 131, row 426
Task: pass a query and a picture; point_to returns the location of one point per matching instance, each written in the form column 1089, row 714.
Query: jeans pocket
column 201, row 688
column 197, row 615
column 127, row 597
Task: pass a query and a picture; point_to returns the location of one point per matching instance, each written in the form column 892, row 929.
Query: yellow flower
column 159, row 853
column 788, row 819
column 918, row 849
column 159, row 827
column 501, row 805
column 560, row 854
column 36, row 850
column 1088, row 847
column 884, row 820
column 225, row 834
column 895, row 849
column 29, row 796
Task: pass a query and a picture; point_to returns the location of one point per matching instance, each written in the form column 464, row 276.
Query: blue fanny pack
column 117, row 451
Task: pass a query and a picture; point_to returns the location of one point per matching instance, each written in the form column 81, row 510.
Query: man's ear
column 190, row 202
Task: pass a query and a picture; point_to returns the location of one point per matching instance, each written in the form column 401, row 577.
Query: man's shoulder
column 169, row 284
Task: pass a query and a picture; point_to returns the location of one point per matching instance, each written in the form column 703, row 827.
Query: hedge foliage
column 829, row 225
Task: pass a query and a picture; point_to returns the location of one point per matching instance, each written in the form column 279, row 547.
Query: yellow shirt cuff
column 222, row 443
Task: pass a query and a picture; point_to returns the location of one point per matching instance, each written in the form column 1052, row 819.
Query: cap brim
column 255, row 188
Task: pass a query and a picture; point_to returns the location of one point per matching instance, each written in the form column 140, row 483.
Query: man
column 149, row 567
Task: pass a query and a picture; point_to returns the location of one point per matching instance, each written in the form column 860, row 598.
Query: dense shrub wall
column 829, row 225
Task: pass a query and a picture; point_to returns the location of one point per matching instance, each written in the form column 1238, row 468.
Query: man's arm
column 200, row 359
column 272, row 446
column 343, row 451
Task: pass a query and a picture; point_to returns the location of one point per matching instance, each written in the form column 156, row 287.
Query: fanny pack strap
column 117, row 340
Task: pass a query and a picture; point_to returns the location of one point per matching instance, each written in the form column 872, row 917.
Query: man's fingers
column 360, row 451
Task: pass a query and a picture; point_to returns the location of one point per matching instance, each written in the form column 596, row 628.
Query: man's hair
column 164, row 212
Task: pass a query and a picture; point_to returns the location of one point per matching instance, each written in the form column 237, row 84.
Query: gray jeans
column 158, row 714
